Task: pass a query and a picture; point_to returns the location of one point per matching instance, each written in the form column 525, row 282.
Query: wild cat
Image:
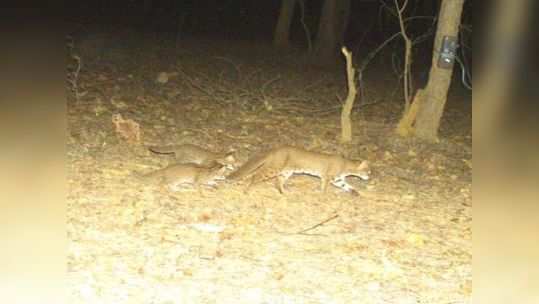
column 283, row 162
column 188, row 153
column 176, row 177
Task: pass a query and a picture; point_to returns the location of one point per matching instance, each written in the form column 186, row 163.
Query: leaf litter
column 405, row 239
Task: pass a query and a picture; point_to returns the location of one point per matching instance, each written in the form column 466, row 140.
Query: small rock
column 162, row 78
column 408, row 197
column 119, row 104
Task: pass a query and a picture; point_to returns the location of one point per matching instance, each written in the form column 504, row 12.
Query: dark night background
column 251, row 20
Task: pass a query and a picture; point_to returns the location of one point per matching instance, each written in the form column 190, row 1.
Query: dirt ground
column 406, row 239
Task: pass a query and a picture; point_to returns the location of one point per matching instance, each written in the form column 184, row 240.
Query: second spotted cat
column 192, row 154
column 177, row 176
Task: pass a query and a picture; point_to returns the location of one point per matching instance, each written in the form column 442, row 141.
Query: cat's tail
column 248, row 168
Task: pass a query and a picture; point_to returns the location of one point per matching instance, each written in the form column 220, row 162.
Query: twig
column 235, row 65
column 408, row 55
column 267, row 83
column 318, row 225
column 371, row 55
column 419, row 39
column 305, row 27
column 466, row 77
column 74, row 79
column 384, row 5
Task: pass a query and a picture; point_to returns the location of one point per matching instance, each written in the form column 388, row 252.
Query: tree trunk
column 282, row 30
column 145, row 20
column 147, row 7
column 343, row 17
column 431, row 110
column 333, row 23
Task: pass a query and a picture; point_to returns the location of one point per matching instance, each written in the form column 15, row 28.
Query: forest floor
column 406, row 239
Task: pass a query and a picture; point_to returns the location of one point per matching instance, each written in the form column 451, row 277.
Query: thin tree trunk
column 326, row 41
column 331, row 29
column 432, row 107
column 147, row 7
column 281, row 36
column 145, row 15
column 343, row 18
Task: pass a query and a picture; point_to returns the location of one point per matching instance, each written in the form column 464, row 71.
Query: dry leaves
column 127, row 129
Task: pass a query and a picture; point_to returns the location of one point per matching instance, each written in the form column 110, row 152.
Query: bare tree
column 428, row 105
column 282, row 29
column 346, row 121
column 431, row 110
column 407, row 82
